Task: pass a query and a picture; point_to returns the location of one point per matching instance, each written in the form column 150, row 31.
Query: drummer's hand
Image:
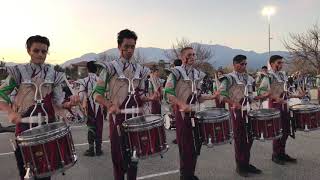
column 236, row 105
column 155, row 96
column 114, row 109
column 14, row 117
column 74, row 100
column 184, row 107
column 215, row 95
column 280, row 101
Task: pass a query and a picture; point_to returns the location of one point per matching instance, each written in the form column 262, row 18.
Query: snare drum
column 145, row 136
column 47, row 149
column 306, row 116
column 265, row 124
column 215, row 126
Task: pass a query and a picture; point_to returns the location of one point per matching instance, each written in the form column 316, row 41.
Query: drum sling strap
column 197, row 139
column 129, row 158
column 26, row 79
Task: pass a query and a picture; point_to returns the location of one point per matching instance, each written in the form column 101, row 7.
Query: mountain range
column 222, row 55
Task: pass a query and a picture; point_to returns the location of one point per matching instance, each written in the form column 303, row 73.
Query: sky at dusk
column 76, row 27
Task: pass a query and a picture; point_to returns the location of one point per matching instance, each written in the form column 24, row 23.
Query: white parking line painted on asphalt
column 3, row 154
column 158, row 174
column 83, row 144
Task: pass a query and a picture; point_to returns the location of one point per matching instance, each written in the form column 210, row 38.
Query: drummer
column 273, row 85
column 36, row 71
column 94, row 111
column 232, row 91
column 113, row 76
column 216, row 84
column 155, row 86
column 178, row 92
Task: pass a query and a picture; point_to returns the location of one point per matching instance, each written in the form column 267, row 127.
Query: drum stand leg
column 29, row 174
column 261, row 137
column 306, row 129
column 134, row 157
column 209, row 144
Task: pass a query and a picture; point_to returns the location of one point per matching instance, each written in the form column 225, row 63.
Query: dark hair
column 185, row 48
column 126, row 33
column 92, row 67
column 177, row 62
column 221, row 71
column 274, row 58
column 264, row 67
column 239, row 58
column 154, row 68
column 37, row 39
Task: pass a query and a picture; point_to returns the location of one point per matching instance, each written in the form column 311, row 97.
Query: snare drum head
column 212, row 114
column 304, row 107
column 294, row 101
column 44, row 129
column 264, row 112
column 142, row 120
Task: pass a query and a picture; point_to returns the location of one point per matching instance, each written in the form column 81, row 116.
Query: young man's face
column 157, row 73
column 240, row 67
column 188, row 57
column 277, row 65
column 38, row 52
column 127, row 48
column 264, row 70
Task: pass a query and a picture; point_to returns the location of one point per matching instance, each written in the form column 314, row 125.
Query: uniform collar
column 36, row 66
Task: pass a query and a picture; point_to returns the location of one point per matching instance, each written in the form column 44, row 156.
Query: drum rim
column 42, row 138
column 157, row 122
column 59, row 170
column 276, row 113
column 313, row 108
column 216, row 118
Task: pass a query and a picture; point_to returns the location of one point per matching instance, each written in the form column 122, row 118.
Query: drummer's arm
column 170, row 93
column 263, row 92
column 301, row 93
column 99, row 94
column 5, row 90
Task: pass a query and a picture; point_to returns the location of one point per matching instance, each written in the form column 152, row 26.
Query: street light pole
column 268, row 11
column 269, row 35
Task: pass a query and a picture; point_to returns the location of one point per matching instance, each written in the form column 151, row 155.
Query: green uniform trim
column 170, row 91
column 261, row 90
column 7, row 90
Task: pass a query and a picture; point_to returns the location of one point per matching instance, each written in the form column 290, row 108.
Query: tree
column 304, row 48
column 58, row 68
column 203, row 53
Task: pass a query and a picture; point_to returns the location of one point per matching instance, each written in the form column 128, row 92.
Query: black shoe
column 242, row 172
column 287, row 158
column 99, row 152
column 195, row 178
column 174, row 141
column 278, row 160
column 252, row 169
column 89, row 152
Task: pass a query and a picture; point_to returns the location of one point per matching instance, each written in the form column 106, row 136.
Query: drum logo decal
column 39, row 153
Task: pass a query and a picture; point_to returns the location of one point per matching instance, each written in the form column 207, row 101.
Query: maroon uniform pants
column 186, row 143
column 242, row 141
column 279, row 145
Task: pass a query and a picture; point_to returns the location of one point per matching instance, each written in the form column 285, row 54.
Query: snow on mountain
column 223, row 55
